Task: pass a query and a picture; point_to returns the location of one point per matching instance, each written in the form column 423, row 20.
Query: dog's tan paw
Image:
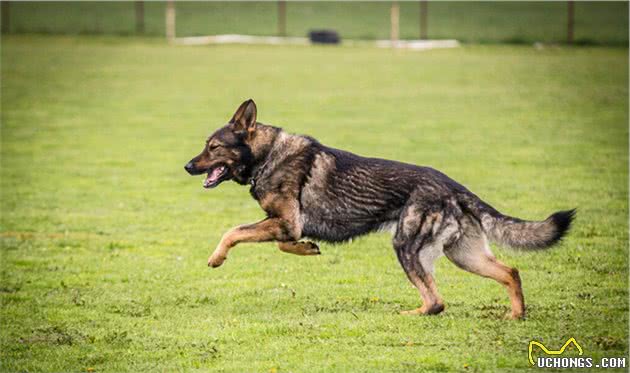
column 417, row 311
column 433, row 309
column 299, row 248
column 216, row 260
column 514, row 316
column 311, row 248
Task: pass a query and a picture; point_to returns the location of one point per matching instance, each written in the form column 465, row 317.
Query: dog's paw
column 514, row 316
column 300, row 248
column 311, row 248
column 411, row 312
column 216, row 260
column 433, row 309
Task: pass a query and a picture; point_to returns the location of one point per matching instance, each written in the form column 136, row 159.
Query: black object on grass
column 324, row 36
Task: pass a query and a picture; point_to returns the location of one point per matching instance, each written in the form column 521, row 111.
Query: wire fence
column 604, row 23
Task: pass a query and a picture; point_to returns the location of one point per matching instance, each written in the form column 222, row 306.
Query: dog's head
column 227, row 153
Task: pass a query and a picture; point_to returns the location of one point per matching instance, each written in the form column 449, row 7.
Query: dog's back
column 346, row 195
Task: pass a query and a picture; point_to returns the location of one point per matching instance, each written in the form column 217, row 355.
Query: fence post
column 394, row 16
column 571, row 19
column 139, row 6
column 6, row 25
column 282, row 18
column 170, row 20
column 424, row 15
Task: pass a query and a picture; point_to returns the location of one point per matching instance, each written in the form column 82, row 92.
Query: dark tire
column 324, row 37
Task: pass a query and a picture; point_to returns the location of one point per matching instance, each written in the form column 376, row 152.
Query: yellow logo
column 553, row 352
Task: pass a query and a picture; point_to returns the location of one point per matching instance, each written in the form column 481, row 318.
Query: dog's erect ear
column 245, row 117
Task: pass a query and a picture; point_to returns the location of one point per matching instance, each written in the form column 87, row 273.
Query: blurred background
column 104, row 238
column 597, row 22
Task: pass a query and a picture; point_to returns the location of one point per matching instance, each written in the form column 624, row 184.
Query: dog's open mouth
column 215, row 176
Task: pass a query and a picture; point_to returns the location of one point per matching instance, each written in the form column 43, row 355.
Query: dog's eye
column 213, row 147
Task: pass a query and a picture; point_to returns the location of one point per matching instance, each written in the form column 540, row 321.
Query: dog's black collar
column 257, row 173
column 253, row 181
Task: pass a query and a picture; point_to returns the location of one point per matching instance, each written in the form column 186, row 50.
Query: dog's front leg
column 270, row 229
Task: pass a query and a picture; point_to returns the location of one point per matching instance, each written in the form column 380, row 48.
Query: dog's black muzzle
column 191, row 169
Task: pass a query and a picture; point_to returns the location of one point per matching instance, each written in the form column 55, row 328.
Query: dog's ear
column 244, row 120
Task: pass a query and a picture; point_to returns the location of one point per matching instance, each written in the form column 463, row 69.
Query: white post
column 424, row 19
column 170, row 20
column 394, row 16
column 282, row 18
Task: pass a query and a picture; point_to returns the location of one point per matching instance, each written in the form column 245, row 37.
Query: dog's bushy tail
column 528, row 235
column 517, row 233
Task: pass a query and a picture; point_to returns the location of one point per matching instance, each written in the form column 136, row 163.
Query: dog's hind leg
column 416, row 249
column 299, row 248
column 423, row 280
column 471, row 253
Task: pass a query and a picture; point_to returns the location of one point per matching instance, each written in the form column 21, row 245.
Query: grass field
column 480, row 22
column 105, row 237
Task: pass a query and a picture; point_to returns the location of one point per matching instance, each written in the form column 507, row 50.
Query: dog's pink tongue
column 212, row 176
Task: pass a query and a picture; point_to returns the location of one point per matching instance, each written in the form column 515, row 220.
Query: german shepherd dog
column 309, row 190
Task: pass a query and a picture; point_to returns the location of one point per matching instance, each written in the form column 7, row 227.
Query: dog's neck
column 262, row 142
column 260, row 146
column 270, row 147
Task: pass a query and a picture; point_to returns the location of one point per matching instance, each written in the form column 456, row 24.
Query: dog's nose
column 189, row 167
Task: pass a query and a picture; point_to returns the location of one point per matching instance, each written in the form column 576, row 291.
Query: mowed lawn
column 105, row 237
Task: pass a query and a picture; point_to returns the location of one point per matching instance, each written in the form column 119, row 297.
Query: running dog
column 309, row 190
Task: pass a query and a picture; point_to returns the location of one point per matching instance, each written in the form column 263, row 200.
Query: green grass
column 487, row 22
column 105, row 237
